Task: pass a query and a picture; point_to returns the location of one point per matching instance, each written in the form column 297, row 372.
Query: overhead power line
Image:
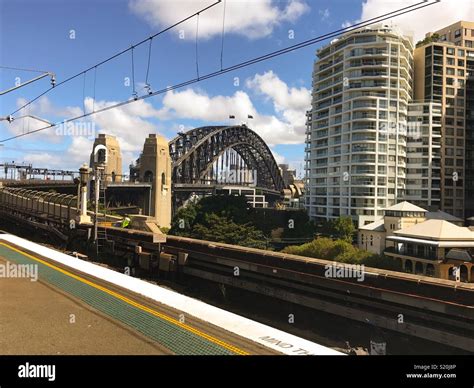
column 115, row 55
column 22, row 69
column 273, row 54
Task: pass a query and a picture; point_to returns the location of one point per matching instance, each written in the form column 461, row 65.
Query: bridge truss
column 224, row 154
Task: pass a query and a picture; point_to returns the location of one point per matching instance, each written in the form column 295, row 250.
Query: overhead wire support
column 84, row 93
column 95, row 79
column 116, row 55
column 23, row 69
column 223, row 32
column 147, row 84
column 264, row 57
column 41, row 76
column 197, row 49
column 134, row 94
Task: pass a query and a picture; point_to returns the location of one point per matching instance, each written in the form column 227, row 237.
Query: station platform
column 78, row 307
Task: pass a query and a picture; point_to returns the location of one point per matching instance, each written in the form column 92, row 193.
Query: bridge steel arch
column 193, row 154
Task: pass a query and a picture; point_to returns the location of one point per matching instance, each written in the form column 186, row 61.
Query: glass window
column 450, row 51
column 460, row 53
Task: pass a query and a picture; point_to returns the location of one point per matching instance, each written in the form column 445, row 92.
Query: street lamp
column 84, row 173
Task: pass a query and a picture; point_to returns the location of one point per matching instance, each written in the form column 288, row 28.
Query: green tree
column 222, row 229
column 220, row 218
column 233, row 207
column 344, row 228
column 428, row 39
column 183, row 221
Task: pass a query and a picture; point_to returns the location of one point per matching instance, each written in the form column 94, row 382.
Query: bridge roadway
column 107, row 319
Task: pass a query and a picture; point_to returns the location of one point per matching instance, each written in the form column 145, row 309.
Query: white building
column 253, row 198
column 356, row 132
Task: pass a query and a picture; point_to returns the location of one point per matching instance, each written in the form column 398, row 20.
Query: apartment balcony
column 413, row 253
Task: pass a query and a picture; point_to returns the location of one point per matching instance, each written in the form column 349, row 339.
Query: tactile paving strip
column 178, row 339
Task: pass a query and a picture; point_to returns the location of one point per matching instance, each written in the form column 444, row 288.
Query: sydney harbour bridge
column 204, row 161
column 210, row 157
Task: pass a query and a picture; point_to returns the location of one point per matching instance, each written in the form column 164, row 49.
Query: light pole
column 84, row 172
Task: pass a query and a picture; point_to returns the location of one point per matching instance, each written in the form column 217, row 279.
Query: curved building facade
column 357, row 128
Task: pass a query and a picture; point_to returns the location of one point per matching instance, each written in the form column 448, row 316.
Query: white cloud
column 192, row 104
column 346, row 24
column 77, row 153
column 286, row 126
column 251, row 18
column 42, row 109
column 419, row 22
column 133, row 122
column 324, row 14
column 291, row 103
column 127, row 122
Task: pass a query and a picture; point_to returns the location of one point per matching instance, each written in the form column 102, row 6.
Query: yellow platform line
column 133, row 303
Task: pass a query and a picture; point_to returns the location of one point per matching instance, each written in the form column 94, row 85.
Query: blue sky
column 37, row 34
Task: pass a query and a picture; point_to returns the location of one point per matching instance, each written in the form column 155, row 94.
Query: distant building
column 253, row 198
column 444, row 73
column 425, row 243
column 294, row 188
column 288, row 175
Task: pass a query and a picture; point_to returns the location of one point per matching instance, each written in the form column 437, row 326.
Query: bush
column 341, row 251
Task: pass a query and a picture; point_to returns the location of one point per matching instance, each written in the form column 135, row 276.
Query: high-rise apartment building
column 444, row 71
column 360, row 157
column 423, row 172
column 356, row 131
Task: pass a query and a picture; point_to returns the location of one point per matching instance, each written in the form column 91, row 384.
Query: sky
column 67, row 37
